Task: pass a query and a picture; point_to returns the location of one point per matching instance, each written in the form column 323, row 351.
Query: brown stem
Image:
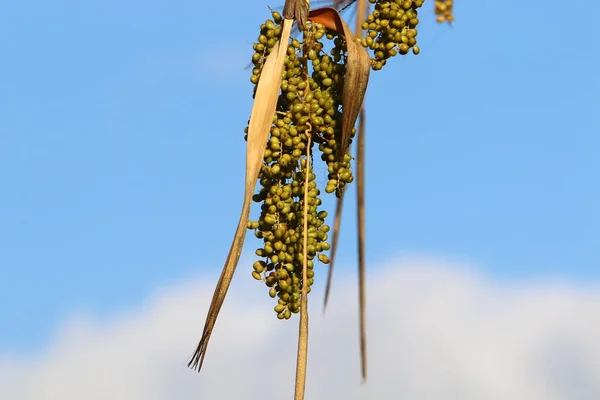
column 302, row 355
column 360, row 195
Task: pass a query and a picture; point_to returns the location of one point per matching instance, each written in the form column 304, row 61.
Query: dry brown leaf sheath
column 355, row 86
column 358, row 66
column 297, row 10
column 261, row 119
column 350, row 119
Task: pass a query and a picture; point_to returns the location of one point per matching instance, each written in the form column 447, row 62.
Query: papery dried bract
column 358, row 66
column 261, row 119
column 297, row 10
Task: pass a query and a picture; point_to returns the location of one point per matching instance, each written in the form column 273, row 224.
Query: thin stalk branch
column 302, row 355
column 360, row 188
column 360, row 206
column 334, row 246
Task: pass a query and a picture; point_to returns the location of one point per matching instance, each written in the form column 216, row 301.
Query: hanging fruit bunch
column 308, row 90
column 309, row 87
column 444, row 10
column 391, row 29
column 309, row 105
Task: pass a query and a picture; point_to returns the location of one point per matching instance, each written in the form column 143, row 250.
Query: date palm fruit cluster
column 443, row 11
column 391, row 29
column 309, row 105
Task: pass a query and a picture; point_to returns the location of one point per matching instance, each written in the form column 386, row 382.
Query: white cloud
column 436, row 331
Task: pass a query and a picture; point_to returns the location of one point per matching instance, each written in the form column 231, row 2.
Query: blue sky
column 122, row 152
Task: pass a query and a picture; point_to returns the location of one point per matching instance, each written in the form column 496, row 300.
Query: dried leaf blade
column 261, row 118
column 356, row 79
